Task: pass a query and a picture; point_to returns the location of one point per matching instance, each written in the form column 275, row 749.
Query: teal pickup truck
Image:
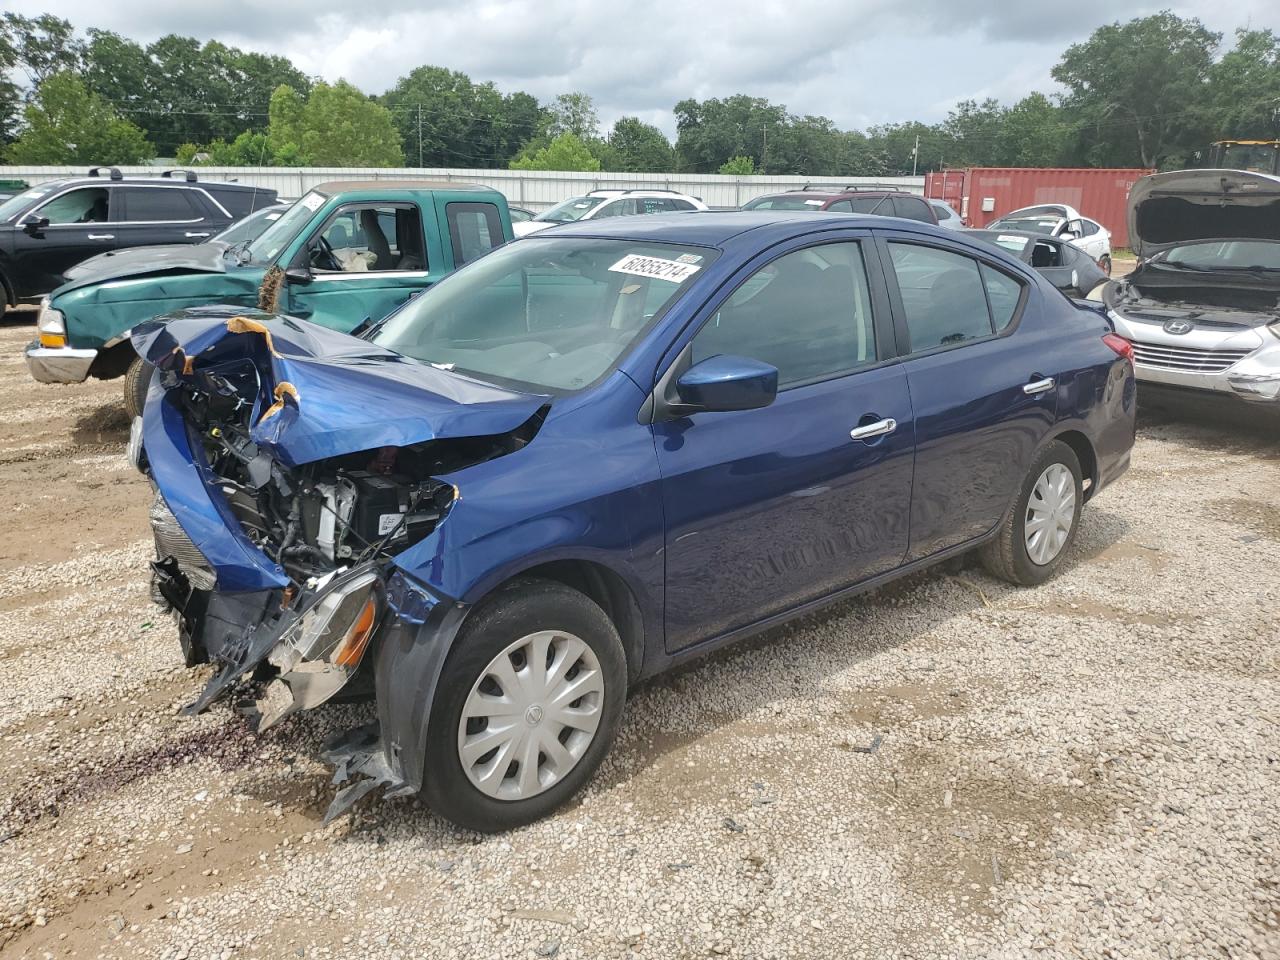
column 346, row 252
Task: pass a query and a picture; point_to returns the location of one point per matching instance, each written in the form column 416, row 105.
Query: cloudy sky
column 859, row 62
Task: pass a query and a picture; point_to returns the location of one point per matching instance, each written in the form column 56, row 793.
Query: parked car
column 520, row 214
column 1063, row 264
column 595, row 454
column 116, row 263
column 948, row 219
column 610, row 203
column 1201, row 307
column 1065, row 223
column 51, row 227
column 885, row 202
column 347, row 252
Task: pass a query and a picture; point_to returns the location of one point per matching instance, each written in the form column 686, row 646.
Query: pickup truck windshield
column 277, row 236
column 548, row 314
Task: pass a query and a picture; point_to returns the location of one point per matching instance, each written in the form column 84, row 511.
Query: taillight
column 1120, row 345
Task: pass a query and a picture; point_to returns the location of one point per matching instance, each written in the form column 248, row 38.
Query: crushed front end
column 276, row 530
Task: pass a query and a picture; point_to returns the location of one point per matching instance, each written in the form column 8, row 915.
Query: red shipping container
column 984, row 194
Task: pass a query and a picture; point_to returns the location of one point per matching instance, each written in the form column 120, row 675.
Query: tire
column 515, row 613
column 137, row 380
column 1105, row 264
column 1008, row 556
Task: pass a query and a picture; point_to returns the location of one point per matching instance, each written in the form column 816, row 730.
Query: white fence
column 536, row 190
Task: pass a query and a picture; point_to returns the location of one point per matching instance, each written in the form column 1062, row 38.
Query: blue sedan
column 597, row 453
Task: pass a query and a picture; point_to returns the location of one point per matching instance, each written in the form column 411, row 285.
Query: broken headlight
column 337, row 628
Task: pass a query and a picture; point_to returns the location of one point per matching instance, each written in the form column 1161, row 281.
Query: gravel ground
column 946, row 768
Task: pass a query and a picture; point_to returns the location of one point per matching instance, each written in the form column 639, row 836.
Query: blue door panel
column 768, row 508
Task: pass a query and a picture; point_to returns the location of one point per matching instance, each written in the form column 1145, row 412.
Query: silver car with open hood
column 1203, row 306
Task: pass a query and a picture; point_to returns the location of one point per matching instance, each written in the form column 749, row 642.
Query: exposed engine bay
column 332, row 525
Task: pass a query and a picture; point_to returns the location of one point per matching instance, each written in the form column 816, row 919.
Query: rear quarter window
column 913, row 208
column 474, row 230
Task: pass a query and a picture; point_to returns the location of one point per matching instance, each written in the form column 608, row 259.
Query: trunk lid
column 1169, row 209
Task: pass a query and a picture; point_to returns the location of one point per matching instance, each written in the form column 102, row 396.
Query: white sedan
column 609, row 203
column 1065, row 223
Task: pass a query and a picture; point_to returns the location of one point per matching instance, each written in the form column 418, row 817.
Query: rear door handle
column 192, row 236
column 102, row 236
column 1036, row 387
column 871, row 430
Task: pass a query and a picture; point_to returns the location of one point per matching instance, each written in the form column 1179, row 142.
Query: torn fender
column 328, row 393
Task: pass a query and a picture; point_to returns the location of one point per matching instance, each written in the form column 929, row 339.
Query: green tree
column 340, row 126
column 1141, row 86
column 1033, row 133
column 462, row 124
column 284, row 129
column 565, row 152
column 972, row 132
column 1244, row 88
column 40, row 46
column 573, row 113
column 712, row 131
column 65, row 123
column 737, row 167
column 639, row 147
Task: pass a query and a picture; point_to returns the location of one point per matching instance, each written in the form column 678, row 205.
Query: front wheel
column 137, row 381
column 1040, row 527
column 526, row 709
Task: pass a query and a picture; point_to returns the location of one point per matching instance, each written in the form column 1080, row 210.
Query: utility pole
column 915, row 155
column 764, row 153
column 420, row 135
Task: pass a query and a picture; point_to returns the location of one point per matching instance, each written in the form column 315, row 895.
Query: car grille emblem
column 1179, row 326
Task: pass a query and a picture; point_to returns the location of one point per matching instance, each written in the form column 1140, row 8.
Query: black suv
column 50, row 228
column 880, row 200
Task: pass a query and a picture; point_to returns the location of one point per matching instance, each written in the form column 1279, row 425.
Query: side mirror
column 298, row 275
column 728, row 383
column 33, row 225
column 1068, row 235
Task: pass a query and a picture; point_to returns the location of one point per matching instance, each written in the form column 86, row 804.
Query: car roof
column 716, row 228
column 344, row 186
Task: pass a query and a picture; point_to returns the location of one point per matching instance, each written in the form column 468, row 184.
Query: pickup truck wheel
column 1040, row 527
column 137, row 380
column 526, row 708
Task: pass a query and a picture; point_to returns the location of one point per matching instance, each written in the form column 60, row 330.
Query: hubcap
column 1050, row 513
column 531, row 715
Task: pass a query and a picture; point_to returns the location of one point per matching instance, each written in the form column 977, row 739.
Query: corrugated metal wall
column 987, row 193
column 536, row 190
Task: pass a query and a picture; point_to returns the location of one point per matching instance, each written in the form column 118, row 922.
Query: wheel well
column 10, row 296
column 610, row 592
column 113, row 361
column 1083, row 450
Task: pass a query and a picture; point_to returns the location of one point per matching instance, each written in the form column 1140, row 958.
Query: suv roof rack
column 190, row 175
column 114, row 172
column 674, row 193
column 889, row 187
column 824, row 187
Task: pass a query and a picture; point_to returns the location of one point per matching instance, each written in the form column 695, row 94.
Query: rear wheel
column 526, row 708
column 1105, row 264
column 137, row 380
column 1041, row 525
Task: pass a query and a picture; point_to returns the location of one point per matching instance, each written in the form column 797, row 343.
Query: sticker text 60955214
column 655, row 267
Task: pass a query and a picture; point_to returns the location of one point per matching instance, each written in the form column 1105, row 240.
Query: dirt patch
column 1257, row 515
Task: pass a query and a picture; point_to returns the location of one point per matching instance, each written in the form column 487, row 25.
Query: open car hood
column 1169, row 209
column 141, row 261
column 322, row 393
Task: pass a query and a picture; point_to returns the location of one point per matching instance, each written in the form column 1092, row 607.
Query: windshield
column 1255, row 157
column 15, row 205
column 277, row 236
column 575, row 208
column 1224, row 255
column 545, row 313
column 1045, row 225
column 250, row 227
column 784, row 203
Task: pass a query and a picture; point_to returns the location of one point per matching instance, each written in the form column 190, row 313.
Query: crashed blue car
column 594, row 454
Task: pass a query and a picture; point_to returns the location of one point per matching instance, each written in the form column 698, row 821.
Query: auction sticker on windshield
column 656, row 267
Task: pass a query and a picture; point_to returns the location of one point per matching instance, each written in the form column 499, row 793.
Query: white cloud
column 859, row 63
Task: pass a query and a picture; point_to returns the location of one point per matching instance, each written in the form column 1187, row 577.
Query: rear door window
column 945, row 296
column 474, row 230
column 878, row 205
column 158, row 205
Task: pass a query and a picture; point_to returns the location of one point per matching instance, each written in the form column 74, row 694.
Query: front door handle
column 1037, row 387
column 102, row 236
column 191, row 236
column 871, row 430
